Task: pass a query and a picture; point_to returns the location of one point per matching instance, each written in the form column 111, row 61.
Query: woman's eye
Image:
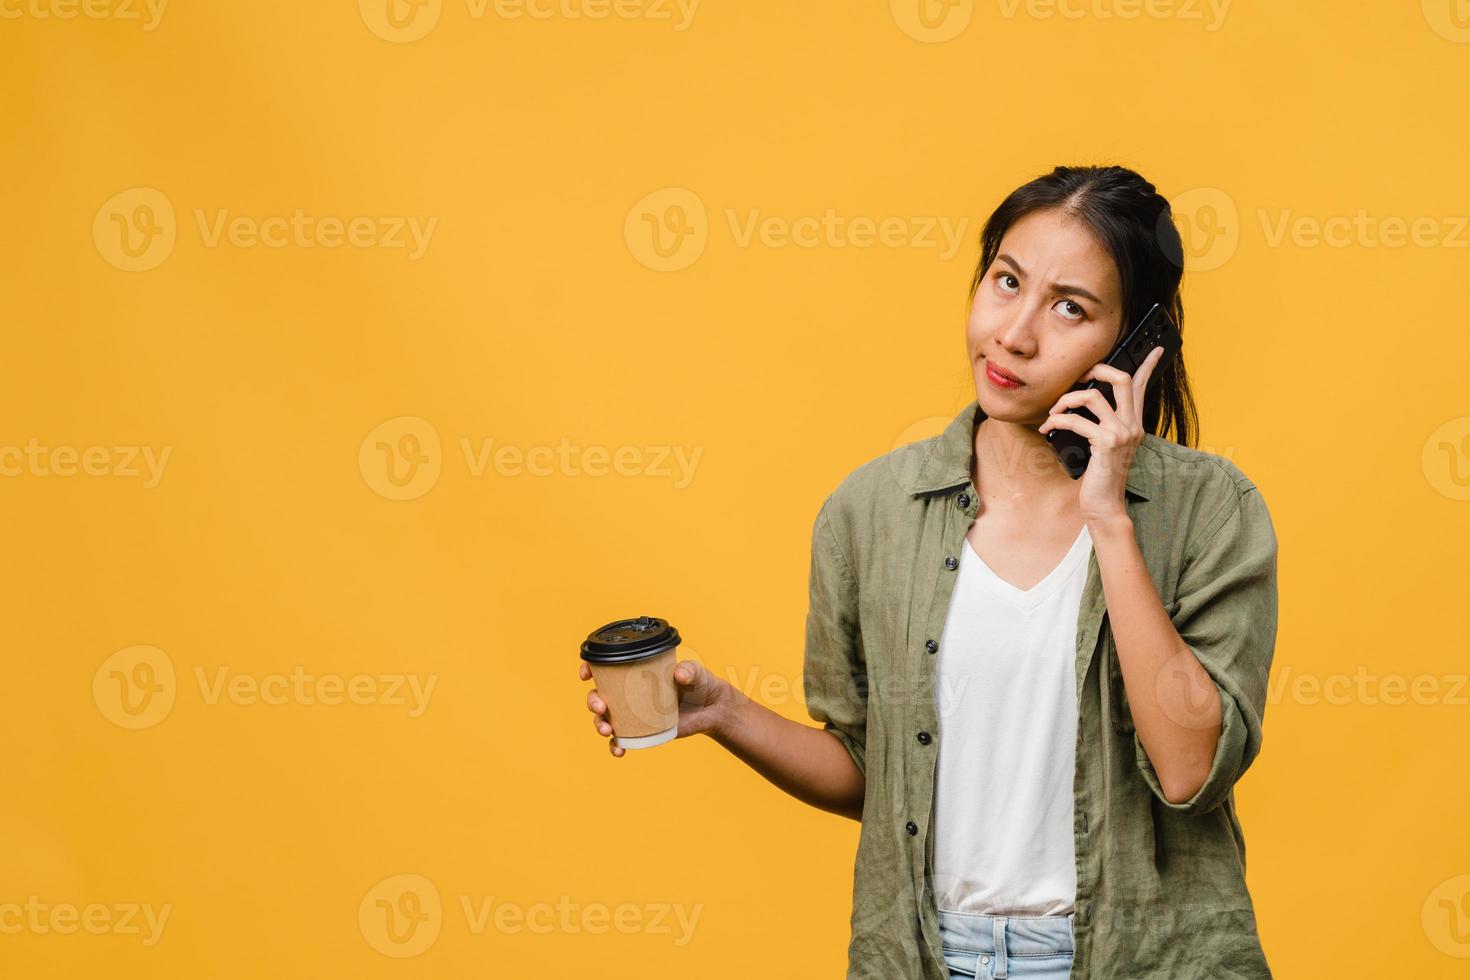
column 1002, row 277
column 1068, row 308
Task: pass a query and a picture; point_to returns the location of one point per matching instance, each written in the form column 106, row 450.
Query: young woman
column 1037, row 693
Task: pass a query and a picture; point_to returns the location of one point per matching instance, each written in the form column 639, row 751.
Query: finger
column 1078, row 424
column 1126, row 409
column 615, row 749
column 1090, row 398
column 583, row 672
column 1131, row 394
column 686, row 672
column 600, row 723
column 1105, row 372
column 595, row 703
column 1146, row 370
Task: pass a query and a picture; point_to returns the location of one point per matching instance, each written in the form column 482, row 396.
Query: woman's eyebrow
column 1061, row 288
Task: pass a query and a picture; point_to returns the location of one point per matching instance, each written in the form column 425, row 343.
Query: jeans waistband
column 1008, row 935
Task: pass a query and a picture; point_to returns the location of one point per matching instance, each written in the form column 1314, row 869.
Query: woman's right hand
column 704, row 702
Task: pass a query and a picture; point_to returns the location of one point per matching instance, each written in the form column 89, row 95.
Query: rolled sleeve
column 1225, row 611
column 834, row 673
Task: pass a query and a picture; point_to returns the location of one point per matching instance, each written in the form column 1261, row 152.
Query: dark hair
column 1135, row 224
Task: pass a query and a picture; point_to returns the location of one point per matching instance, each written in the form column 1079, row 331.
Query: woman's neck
column 1019, row 470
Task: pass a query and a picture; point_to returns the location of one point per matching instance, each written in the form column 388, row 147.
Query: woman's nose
column 1015, row 335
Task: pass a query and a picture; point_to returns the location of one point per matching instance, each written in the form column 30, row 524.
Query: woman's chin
column 996, row 405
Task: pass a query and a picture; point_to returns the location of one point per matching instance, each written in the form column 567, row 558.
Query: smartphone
column 1156, row 329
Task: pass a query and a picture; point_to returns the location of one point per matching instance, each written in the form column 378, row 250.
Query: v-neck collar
column 1029, row 599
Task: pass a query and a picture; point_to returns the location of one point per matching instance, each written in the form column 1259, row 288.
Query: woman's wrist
column 727, row 714
column 1106, row 528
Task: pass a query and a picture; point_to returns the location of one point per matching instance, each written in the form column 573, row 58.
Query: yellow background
column 1333, row 375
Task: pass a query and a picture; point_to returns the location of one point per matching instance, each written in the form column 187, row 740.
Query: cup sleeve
column 834, row 673
column 1225, row 611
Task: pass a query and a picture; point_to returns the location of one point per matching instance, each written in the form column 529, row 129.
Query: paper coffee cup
column 632, row 662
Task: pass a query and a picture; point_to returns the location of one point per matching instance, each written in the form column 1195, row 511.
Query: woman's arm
column 1224, row 610
column 806, row 762
column 1174, row 702
column 1176, row 716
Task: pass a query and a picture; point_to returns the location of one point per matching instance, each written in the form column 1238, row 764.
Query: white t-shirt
column 1006, row 696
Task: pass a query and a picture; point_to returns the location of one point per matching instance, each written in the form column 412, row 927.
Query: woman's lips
column 1002, row 379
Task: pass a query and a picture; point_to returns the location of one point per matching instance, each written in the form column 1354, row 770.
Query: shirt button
column 912, row 828
column 964, row 500
column 924, row 738
column 931, row 646
column 950, row 562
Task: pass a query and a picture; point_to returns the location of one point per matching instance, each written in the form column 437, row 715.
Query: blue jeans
column 998, row 946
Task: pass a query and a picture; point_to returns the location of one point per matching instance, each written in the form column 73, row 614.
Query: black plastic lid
column 628, row 640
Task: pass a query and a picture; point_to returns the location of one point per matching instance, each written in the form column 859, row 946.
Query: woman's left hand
column 1113, row 438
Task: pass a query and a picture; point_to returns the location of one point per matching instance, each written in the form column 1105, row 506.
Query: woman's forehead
column 1054, row 249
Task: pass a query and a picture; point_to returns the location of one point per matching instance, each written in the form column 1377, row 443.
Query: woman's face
column 1048, row 308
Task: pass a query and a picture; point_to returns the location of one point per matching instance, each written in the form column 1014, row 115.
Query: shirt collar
column 947, row 460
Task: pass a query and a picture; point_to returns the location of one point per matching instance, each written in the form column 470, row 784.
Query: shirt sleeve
column 835, row 674
column 1225, row 610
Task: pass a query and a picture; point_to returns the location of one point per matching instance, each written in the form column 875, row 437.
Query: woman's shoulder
column 1198, row 489
column 887, row 480
column 876, row 499
column 1190, row 465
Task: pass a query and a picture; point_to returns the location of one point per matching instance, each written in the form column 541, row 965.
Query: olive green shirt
column 1161, row 887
